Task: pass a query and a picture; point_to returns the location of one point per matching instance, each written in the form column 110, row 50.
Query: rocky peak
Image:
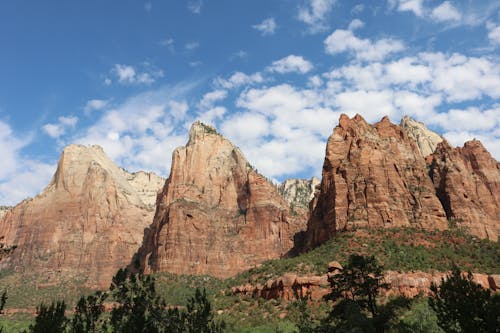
column 467, row 182
column 200, row 131
column 87, row 222
column 215, row 215
column 299, row 192
column 373, row 176
column 426, row 139
column 147, row 185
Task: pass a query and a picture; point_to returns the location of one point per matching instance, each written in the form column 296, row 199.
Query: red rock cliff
column 467, row 181
column 87, row 223
column 373, row 176
column 215, row 215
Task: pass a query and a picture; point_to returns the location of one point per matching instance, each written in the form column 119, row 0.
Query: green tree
column 355, row 291
column 50, row 318
column 87, row 314
column 3, row 300
column 140, row 309
column 462, row 305
column 198, row 317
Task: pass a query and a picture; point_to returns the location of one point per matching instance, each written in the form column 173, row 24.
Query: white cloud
column 314, row 13
column 463, row 78
column 20, row 176
column 212, row 115
column 94, row 105
column 239, row 79
column 194, row 6
column 57, row 130
column 357, row 9
column 53, row 130
column 363, row 49
column 127, row 74
column 414, row 6
column 446, row 12
column 68, row 121
column 208, row 100
column 356, row 24
column 148, row 6
column 493, row 33
column 141, row 132
column 266, row 27
column 290, row 64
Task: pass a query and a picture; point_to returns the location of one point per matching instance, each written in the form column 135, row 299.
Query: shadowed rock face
column 87, row 223
column 215, row 215
column 373, row 176
column 467, row 181
column 426, row 139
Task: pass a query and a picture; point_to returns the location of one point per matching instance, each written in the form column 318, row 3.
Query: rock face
column 373, row 176
column 87, row 223
column 409, row 284
column 215, row 215
column 299, row 192
column 467, row 181
column 4, row 210
column 426, row 139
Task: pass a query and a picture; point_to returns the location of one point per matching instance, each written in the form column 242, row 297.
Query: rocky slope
column 467, row 181
column 299, row 194
column 409, row 284
column 215, row 215
column 4, row 210
column 373, row 176
column 87, row 223
column 426, row 139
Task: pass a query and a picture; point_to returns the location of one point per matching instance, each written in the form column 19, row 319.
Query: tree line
column 460, row 304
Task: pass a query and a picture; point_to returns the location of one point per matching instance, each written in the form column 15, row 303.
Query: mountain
column 216, row 215
column 299, row 192
column 426, row 139
column 87, row 223
column 467, row 181
column 373, row 176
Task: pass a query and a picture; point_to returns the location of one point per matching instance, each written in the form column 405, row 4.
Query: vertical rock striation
column 467, row 181
column 426, row 139
column 216, row 215
column 87, row 223
column 373, row 176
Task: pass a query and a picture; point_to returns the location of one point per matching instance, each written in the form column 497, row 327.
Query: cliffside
column 215, row 215
column 87, row 223
column 467, row 181
column 425, row 139
column 373, row 176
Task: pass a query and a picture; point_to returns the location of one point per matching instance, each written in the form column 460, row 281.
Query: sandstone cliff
column 87, row 223
column 467, row 181
column 373, row 176
column 299, row 192
column 215, row 215
column 426, row 139
column 4, row 210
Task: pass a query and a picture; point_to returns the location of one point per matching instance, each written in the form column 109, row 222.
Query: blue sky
column 272, row 76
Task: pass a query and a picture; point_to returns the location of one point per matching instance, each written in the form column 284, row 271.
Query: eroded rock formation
column 86, row 224
column 373, row 176
column 426, row 139
column 467, row 181
column 299, row 193
column 409, row 284
column 215, row 215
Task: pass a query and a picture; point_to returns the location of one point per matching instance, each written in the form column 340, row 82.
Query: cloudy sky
column 272, row 76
